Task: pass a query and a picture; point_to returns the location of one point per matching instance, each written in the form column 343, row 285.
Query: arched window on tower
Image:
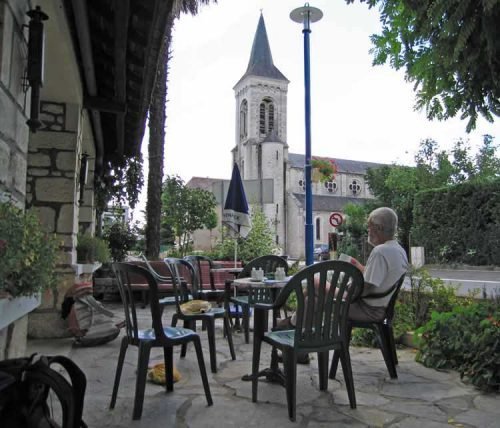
column 266, row 116
column 243, row 120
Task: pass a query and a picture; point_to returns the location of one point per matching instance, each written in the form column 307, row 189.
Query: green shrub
column 28, row 253
column 466, row 339
column 90, row 249
column 121, row 239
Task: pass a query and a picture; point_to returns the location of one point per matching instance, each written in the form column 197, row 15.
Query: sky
column 358, row 111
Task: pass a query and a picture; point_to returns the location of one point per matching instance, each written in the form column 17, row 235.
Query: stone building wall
column 14, row 136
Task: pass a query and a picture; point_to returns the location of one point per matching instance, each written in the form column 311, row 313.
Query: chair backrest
column 321, row 321
column 268, row 263
column 389, row 313
column 183, row 275
column 204, row 280
column 124, row 273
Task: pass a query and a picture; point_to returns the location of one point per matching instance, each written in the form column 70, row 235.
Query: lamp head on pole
column 306, row 15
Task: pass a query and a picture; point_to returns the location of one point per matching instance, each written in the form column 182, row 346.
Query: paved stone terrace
column 421, row 397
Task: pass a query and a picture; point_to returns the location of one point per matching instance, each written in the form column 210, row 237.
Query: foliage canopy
column 185, row 210
column 450, row 50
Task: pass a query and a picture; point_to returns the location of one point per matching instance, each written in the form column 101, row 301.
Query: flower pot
column 409, row 339
column 85, row 268
column 316, row 175
column 13, row 308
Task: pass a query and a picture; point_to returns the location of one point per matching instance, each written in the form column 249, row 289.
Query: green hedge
column 459, row 224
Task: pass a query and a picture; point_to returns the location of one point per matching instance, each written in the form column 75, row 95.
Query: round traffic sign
column 336, row 219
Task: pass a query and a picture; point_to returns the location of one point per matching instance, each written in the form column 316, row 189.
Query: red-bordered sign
column 336, row 219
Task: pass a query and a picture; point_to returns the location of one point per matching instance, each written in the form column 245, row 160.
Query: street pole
column 306, row 15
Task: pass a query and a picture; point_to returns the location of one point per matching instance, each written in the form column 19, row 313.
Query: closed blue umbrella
column 236, row 215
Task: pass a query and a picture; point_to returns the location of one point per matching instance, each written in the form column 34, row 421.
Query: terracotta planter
column 408, row 339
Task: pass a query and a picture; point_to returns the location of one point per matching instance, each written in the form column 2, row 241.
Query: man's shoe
column 301, row 359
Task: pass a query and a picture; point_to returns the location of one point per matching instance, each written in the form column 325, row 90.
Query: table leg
column 273, row 373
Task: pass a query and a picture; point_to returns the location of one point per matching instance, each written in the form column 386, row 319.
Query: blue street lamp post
column 306, row 15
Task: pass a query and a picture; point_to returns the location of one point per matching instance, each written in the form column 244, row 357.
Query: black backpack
column 31, row 392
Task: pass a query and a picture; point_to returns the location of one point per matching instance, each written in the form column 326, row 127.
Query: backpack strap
column 39, row 373
column 79, row 385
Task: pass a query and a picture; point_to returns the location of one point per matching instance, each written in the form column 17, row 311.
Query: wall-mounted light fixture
column 84, row 172
column 35, row 63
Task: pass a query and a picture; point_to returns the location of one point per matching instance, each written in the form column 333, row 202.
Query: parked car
column 321, row 252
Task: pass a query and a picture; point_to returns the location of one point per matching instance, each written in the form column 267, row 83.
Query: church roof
column 329, row 203
column 343, row 165
column 261, row 61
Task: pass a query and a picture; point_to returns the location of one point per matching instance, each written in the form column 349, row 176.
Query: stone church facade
column 273, row 177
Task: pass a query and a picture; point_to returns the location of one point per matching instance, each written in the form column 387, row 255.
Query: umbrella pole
column 235, row 251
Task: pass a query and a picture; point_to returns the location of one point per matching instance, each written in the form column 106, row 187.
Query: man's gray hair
column 387, row 219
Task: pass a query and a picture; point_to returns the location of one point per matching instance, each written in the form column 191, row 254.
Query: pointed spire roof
column 261, row 60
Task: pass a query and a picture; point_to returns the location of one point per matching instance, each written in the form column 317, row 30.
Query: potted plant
column 323, row 170
column 91, row 252
column 28, row 257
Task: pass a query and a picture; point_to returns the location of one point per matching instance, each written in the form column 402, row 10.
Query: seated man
column 386, row 264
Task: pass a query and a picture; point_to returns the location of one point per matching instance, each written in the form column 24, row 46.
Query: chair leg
column 336, row 354
column 140, row 382
column 290, row 370
column 387, row 351
column 210, row 323
column 259, row 326
column 345, row 360
column 335, row 364
column 245, row 312
column 118, row 374
column 392, row 343
column 323, row 370
column 168, row 358
column 186, row 324
column 229, row 335
column 203, row 371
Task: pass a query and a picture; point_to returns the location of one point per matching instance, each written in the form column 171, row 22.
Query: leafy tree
column 396, row 185
column 185, row 209
column 450, row 49
column 157, row 116
column 354, row 230
column 259, row 241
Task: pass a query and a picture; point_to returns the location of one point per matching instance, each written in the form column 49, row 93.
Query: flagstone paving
column 420, row 397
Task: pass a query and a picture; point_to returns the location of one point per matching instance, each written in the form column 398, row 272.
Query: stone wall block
column 54, row 189
column 38, row 172
column 73, row 115
column 6, row 34
column 4, row 162
column 55, row 140
column 66, row 161
column 47, row 325
column 66, row 223
column 47, row 216
column 13, row 122
column 18, row 64
column 39, row 160
column 18, row 172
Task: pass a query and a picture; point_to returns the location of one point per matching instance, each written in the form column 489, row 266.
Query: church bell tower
column 261, row 150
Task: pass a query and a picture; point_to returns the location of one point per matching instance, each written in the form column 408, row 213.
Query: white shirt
column 386, row 264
